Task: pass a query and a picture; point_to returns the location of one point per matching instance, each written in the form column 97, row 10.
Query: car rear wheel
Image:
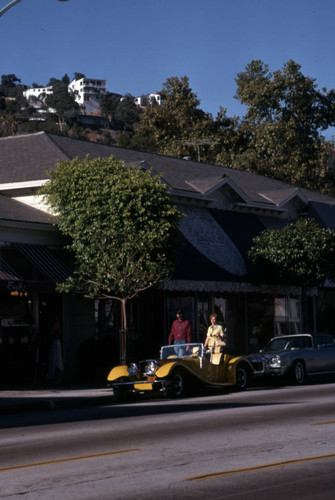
column 242, row 378
column 298, row 373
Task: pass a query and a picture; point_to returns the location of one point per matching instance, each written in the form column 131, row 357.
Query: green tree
column 281, row 133
column 8, row 125
column 178, row 126
column 11, row 103
column 53, row 81
column 302, row 253
column 79, row 76
column 63, row 102
column 126, row 113
column 108, row 104
column 11, row 91
column 66, row 79
column 9, row 81
column 122, row 225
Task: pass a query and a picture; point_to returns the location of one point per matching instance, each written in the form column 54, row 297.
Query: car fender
column 193, row 369
column 232, row 365
column 165, row 370
column 118, row 372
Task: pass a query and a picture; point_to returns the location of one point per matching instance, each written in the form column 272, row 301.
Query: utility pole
column 198, row 143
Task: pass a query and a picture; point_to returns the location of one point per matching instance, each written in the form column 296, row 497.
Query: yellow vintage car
column 179, row 369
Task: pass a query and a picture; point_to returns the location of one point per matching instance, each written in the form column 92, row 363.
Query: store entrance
column 25, row 318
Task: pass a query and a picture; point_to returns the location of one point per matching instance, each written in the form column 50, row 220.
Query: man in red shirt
column 180, row 332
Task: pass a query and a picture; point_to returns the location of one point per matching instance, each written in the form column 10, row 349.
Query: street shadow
column 72, row 409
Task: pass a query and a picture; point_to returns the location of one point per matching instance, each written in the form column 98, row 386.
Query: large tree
column 126, row 113
column 108, row 104
column 282, row 128
column 121, row 222
column 178, row 127
column 280, row 135
column 302, row 253
column 63, row 102
column 11, row 104
column 9, row 81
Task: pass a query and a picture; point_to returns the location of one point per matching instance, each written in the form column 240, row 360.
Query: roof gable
column 282, row 197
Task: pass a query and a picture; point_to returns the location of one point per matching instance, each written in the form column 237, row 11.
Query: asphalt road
column 263, row 443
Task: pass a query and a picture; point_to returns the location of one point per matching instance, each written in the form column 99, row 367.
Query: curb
column 55, row 404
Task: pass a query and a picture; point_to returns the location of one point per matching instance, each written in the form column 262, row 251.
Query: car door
column 325, row 349
column 302, row 347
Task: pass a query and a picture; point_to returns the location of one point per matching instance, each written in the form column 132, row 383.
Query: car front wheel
column 298, row 373
column 177, row 385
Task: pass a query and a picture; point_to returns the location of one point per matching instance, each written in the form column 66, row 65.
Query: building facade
column 224, row 210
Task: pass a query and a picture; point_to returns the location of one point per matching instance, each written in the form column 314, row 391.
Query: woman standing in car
column 215, row 334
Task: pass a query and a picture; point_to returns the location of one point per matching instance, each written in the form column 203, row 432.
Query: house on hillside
column 225, row 208
column 37, row 95
column 148, row 100
column 88, row 92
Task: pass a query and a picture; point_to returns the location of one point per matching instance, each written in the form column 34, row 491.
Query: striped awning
column 7, row 273
column 48, row 264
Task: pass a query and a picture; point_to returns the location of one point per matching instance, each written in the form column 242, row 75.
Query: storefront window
column 17, row 335
column 202, row 317
column 260, row 314
column 326, row 311
column 220, row 305
column 287, row 315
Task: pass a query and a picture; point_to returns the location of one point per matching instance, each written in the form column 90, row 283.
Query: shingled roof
column 30, row 157
column 16, row 211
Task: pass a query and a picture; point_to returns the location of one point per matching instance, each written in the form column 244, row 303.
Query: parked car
column 296, row 356
column 179, row 369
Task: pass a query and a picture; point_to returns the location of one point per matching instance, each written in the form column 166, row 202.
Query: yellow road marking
column 285, row 463
column 325, row 423
column 70, row 459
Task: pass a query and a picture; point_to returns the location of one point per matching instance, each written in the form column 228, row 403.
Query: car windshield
column 182, row 350
column 282, row 343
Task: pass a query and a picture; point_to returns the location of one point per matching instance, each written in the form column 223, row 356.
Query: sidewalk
column 16, row 400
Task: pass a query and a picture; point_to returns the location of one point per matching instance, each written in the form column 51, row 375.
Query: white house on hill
column 88, row 92
column 36, row 95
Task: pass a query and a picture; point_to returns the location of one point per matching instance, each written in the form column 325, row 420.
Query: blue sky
column 137, row 44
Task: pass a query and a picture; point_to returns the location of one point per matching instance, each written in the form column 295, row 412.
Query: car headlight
column 132, row 369
column 275, row 361
column 150, row 368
